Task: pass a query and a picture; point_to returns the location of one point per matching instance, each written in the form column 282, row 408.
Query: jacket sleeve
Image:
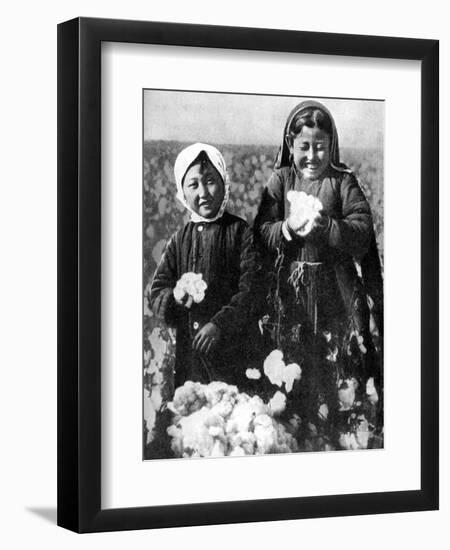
column 353, row 232
column 162, row 301
column 268, row 224
column 233, row 318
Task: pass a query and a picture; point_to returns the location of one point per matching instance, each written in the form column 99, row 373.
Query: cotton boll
column 310, row 201
column 263, row 420
column 300, row 200
column 188, row 398
column 323, row 411
column 317, row 206
column 198, row 297
column 257, row 405
column 278, row 403
column 214, row 419
column 310, row 224
column 274, row 366
column 253, row 374
column 244, row 413
column 356, row 341
column 332, row 354
column 346, row 394
column 291, row 373
column 192, row 284
column 295, row 197
column 275, row 356
column 198, row 284
column 178, row 292
column 216, row 391
column 277, row 372
column 223, row 408
column 371, row 391
column 305, row 207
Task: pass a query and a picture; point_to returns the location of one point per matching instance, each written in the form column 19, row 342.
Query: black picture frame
column 79, row 274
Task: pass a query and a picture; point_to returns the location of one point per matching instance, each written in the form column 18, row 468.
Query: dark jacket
column 223, row 252
column 346, row 233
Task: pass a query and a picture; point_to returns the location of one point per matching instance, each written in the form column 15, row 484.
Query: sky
column 251, row 119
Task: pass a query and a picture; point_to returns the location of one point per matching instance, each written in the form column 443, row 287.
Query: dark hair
column 202, row 158
column 311, row 117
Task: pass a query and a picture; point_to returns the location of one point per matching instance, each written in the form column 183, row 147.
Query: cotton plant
column 278, row 372
column 157, row 385
column 355, row 342
column 358, row 435
column 192, row 285
column 305, row 208
column 358, row 407
column 218, row 420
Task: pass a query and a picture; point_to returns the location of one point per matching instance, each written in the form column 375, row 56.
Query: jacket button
column 200, row 228
column 195, row 325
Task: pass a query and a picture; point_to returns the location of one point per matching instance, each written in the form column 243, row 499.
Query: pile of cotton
column 217, row 420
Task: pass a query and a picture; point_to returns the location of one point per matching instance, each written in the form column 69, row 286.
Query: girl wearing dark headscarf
column 326, row 276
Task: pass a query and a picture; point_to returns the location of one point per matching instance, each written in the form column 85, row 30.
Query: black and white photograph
column 263, row 274
column 225, row 287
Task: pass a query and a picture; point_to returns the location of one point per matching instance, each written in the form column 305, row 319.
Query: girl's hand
column 309, row 226
column 206, row 338
column 296, row 223
column 315, row 226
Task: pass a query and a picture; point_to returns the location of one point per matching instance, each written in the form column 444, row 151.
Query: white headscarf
column 182, row 164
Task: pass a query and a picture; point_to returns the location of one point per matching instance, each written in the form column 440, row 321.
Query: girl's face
column 310, row 150
column 203, row 189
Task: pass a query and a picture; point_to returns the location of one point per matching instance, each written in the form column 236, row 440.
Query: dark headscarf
column 370, row 263
column 284, row 159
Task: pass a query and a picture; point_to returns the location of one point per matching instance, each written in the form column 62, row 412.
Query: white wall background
column 28, row 273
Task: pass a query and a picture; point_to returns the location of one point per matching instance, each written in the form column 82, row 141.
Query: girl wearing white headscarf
column 213, row 339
